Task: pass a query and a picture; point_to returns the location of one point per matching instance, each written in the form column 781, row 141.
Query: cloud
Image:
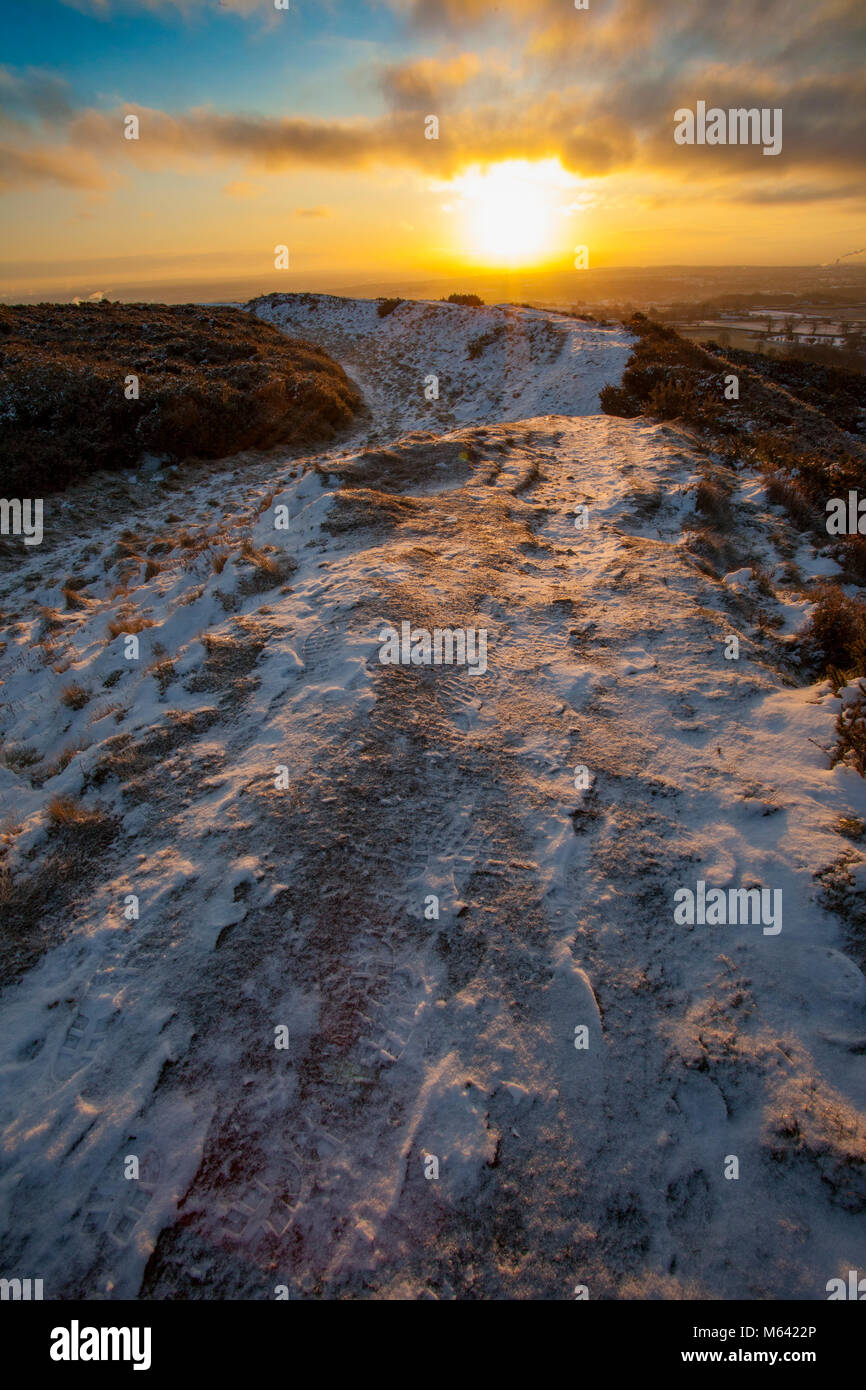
column 30, row 92
column 428, row 81
column 104, row 9
column 799, row 193
column 28, row 168
column 599, row 92
column 312, row 212
column 634, row 130
column 554, row 125
column 822, row 122
column 242, row 188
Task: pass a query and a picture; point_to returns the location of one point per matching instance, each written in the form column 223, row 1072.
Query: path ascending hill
column 311, row 908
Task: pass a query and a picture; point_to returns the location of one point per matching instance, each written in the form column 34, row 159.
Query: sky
column 310, row 127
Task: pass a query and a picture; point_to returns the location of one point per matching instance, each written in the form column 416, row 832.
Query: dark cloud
column 32, row 92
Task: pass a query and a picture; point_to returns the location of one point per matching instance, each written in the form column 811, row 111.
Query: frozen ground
column 412, row 1038
column 491, row 363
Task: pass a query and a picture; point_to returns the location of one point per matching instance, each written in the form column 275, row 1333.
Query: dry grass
column 103, row 711
column 132, row 762
column 163, row 673
column 128, row 625
column 20, row 757
column 270, row 567
column 230, row 657
column 75, row 600
column 52, row 619
column 671, row 400
column 66, row 810
column 74, row 696
column 811, row 1124
column 64, row 758
column 9, row 828
column 713, row 504
column 799, row 428
column 852, row 827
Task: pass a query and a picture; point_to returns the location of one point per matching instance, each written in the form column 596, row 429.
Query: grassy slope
column 212, row 381
column 798, row 424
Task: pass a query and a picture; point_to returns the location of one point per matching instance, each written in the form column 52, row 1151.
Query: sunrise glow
column 513, row 213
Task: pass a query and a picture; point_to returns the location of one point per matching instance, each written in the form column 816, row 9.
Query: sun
column 509, row 212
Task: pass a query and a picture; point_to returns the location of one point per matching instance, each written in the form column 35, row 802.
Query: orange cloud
column 428, row 80
column 25, row 168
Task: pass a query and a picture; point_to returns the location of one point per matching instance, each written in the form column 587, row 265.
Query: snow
column 539, row 363
column 414, row 1036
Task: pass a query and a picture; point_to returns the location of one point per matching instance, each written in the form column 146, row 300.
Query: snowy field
column 332, row 920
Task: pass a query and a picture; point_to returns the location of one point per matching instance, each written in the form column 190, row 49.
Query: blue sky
column 208, row 56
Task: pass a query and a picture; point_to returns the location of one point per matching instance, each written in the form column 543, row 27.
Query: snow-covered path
column 410, row 1037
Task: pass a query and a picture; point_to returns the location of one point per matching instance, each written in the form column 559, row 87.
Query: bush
column 836, row 635
column 387, row 306
column 850, row 731
column 212, row 381
column 470, row 301
column 614, row 401
column 671, row 399
column 712, row 503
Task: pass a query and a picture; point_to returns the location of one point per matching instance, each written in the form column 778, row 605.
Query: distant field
column 753, row 342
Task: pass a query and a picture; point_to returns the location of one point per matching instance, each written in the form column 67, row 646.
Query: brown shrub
column 836, row 634
column 214, row 381
column 74, row 696
column 75, row 599
column 850, row 733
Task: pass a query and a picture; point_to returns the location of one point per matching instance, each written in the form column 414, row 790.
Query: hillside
column 108, row 386
column 242, row 836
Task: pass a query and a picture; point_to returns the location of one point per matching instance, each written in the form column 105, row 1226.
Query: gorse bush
column 211, row 381
column 836, row 634
column 670, row 399
column 850, row 730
